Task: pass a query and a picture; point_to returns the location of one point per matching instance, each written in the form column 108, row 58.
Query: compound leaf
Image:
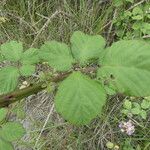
column 27, row 70
column 126, row 65
column 30, row 56
column 79, row 99
column 5, row 145
column 86, row 47
column 58, row 55
column 8, row 79
column 12, row 50
column 3, row 113
column 12, row 131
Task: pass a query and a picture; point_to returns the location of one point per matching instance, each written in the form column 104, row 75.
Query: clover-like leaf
column 12, row 131
column 127, row 104
column 126, row 65
column 5, row 145
column 12, row 50
column 143, row 114
column 145, row 104
column 30, row 56
column 8, row 79
column 3, row 113
column 79, row 99
column 86, row 47
column 58, row 55
column 27, row 70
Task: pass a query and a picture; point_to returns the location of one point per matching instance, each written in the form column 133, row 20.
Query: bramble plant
column 132, row 22
column 83, row 71
column 9, row 131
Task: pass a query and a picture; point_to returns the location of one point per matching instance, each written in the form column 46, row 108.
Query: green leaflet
column 3, row 113
column 58, row 55
column 79, row 99
column 85, row 47
column 11, row 131
column 5, row 145
column 30, row 56
column 27, row 70
column 12, row 50
column 126, row 65
column 8, row 79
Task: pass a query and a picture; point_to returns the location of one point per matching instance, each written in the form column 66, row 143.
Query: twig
column 44, row 26
column 111, row 25
column 17, row 95
column 43, row 128
column 135, row 5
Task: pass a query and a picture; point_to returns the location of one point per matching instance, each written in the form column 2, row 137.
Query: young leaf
column 5, row 145
column 127, row 104
column 58, row 55
column 12, row 50
column 86, row 47
column 79, row 99
column 3, row 113
column 27, row 70
column 145, row 104
column 30, row 56
column 8, row 79
column 126, row 65
column 135, row 111
column 143, row 114
column 12, row 131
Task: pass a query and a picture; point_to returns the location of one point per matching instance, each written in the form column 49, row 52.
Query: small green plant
column 9, row 131
column 140, row 109
column 132, row 23
column 82, row 70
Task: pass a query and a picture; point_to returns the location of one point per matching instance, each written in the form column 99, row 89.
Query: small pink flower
column 127, row 127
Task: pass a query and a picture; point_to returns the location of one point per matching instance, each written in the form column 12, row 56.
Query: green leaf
column 145, row 104
column 79, row 99
column 27, row 70
column 12, row 131
column 3, row 113
column 86, row 47
column 137, row 17
column 137, row 11
column 12, row 50
column 135, row 111
column 8, row 79
column 5, row 145
column 127, row 104
column 126, row 65
column 30, row 56
column 58, row 55
column 143, row 114
column 125, row 111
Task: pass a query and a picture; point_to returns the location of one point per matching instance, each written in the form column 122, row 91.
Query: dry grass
column 36, row 21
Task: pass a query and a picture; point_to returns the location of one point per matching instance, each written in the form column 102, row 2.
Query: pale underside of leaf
column 85, row 47
column 12, row 131
column 8, row 79
column 79, row 99
column 5, row 145
column 12, row 50
column 30, row 56
column 58, row 55
column 126, row 65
